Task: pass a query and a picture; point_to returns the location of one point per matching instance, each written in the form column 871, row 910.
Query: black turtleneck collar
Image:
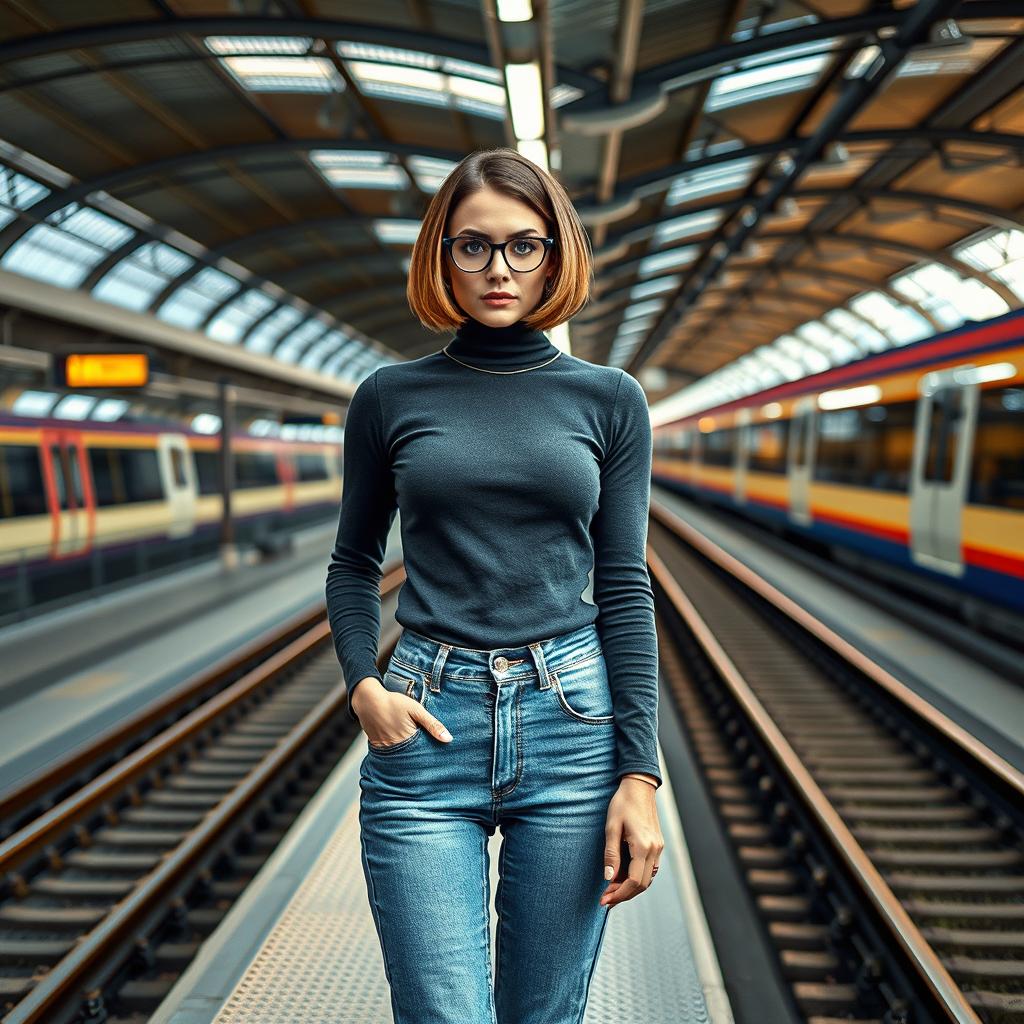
column 514, row 347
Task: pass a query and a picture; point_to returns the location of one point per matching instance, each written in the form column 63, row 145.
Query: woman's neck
column 515, row 347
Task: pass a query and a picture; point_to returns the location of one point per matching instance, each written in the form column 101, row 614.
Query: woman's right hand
column 385, row 716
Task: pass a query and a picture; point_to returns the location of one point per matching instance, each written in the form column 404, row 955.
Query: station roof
column 770, row 186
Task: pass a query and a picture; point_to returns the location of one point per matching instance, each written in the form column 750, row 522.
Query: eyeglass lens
column 521, row 253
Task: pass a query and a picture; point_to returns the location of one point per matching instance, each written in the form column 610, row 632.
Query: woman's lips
column 499, row 302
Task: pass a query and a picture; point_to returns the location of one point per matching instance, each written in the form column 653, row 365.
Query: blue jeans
column 532, row 750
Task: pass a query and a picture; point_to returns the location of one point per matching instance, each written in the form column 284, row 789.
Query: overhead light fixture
column 947, row 33
column 515, row 10
column 525, row 100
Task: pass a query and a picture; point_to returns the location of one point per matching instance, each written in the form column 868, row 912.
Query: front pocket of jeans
column 583, row 692
column 400, row 745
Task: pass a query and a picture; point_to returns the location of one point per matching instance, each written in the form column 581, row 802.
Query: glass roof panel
column 899, row 322
column 710, row 180
column 655, row 287
column 17, row 192
column 265, row 334
column 360, row 169
column 289, row 350
column 686, row 226
column 137, row 280
column 190, row 304
column 858, row 330
column 950, row 298
column 238, row 315
column 1000, row 253
column 64, row 248
column 668, row 260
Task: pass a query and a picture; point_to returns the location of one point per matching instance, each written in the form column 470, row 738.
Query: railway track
column 883, row 847
column 117, row 863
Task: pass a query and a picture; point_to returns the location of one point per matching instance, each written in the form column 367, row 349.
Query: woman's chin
column 497, row 317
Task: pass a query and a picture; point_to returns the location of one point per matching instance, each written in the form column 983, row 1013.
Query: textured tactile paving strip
column 321, row 963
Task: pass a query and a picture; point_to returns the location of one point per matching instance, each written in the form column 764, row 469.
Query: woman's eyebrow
column 483, row 234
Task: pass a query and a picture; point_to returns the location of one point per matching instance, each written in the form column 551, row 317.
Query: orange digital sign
column 106, row 370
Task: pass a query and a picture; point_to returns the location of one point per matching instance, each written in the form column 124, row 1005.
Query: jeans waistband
column 432, row 657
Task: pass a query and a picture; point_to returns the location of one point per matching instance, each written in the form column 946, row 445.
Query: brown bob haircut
column 507, row 171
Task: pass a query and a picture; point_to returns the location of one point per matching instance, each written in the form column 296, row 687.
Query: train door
column 178, row 473
column 800, row 458
column 742, row 450
column 943, row 440
column 69, row 494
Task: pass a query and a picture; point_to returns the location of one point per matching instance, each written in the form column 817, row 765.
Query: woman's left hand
column 632, row 824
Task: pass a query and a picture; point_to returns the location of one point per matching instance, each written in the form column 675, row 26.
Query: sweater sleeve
column 368, row 508
column 622, row 585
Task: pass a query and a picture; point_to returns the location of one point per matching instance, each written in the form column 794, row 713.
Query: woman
column 523, row 477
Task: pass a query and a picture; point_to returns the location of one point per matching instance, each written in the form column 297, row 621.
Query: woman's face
column 499, row 217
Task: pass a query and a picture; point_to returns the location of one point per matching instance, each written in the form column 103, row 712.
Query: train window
column 870, row 446
column 255, row 469
column 766, row 444
column 719, row 446
column 178, row 468
column 208, row 471
column 943, row 433
column 310, row 466
column 107, row 479
column 21, row 482
column 997, row 469
column 141, row 475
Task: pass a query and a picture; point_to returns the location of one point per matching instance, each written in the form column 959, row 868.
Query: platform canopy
column 771, row 186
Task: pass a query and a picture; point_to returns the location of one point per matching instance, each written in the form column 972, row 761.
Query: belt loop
column 438, row 667
column 544, row 680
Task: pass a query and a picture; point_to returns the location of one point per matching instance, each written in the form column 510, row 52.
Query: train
column 69, row 490
column 906, row 463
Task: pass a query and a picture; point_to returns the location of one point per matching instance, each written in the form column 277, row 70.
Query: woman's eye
column 530, row 247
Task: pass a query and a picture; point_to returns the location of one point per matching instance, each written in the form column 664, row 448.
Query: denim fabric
column 533, row 751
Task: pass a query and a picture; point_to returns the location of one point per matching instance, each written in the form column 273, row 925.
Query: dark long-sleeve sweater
column 513, row 489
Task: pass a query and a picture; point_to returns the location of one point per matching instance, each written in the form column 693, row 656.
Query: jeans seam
column 499, row 906
column 487, row 927
column 593, row 967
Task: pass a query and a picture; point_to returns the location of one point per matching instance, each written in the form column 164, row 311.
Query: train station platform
column 300, row 943
column 978, row 699
column 70, row 674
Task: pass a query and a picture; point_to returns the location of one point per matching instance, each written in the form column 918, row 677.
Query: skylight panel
column 858, row 330
column 330, row 345
column 275, row 64
column 34, row 403
column 950, row 298
column 1000, row 254
column 761, row 82
column 109, row 409
column 137, row 280
column 710, row 180
column 430, row 171
column 294, row 344
column 238, row 315
column 397, row 232
column 285, row 74
column 813, row 359
column 190, row 304
column 686, row 226
column 266, row 333
column 837, row 347
column 360, row 169
column 656, row 287
column 644, row 308
column 898, row 322
column 668, row 260
column 64, row 248
column 426, row 78
column 17, row 192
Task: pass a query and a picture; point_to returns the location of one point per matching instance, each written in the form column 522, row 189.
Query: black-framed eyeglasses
column 472, row 254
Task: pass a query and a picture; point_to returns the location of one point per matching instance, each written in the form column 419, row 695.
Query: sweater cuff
column 640, row 767
column 351, row 689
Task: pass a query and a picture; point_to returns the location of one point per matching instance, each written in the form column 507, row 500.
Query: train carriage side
column 920, row 468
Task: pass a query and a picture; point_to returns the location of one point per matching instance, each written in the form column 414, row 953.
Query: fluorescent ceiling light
column 515, row 10
column 74, row 407
column 710, row 180
column 109, row 409
column 525, row 100
column 758, row 83
column 33, row 403
column 661, row 284
column 535, row 150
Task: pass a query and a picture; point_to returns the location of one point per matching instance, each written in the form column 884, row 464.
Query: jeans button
column 501, row 664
